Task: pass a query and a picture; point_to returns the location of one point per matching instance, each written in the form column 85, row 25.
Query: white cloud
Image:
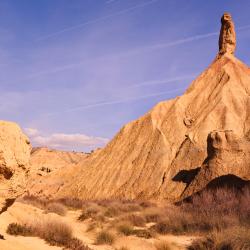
column 31, row 132
column 61, row 141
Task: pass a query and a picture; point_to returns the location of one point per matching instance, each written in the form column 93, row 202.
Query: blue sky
column 74, row 72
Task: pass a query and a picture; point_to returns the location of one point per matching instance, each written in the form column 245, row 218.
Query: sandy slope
column 21, row 212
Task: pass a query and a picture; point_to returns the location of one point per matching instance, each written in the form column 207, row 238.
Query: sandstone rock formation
column 228, row 160
column 161, row 154
column 14, row 162
column 227, row 41
column 45, row 161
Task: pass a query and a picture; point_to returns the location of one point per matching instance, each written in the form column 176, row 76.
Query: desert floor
column 21, row 212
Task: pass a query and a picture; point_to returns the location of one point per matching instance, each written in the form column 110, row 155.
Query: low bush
column 72, row 203
column 153, row 215
column 89, row 212
column 34, row 201
column 104, row 237
column 207, row 212
column 111, row 212
column 142, row 233
column 163, row 246
column 136, row 220
column 18, row 229
column 125, row 229
column 56, row 208
column 237, row 238
column 76, row 244
column 54, row 232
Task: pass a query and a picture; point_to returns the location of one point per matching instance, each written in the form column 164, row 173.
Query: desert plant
column 163, row 245
column 154, row 215
column 136, row 220
column 76, row 244
column 18, row 229
column 147, row 204
column 237, row 238
column 72, row 203
column 143, row 233
column 87, row 213
column 54, row 232
column 57, row 208
column 105, row 237
column 125, row 229
column 111, row 212
column 34, row 201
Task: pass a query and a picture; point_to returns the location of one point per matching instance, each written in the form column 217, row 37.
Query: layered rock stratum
column 178, row 147
column 14, row 163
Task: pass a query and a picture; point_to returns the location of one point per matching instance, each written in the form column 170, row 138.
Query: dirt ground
column 21, row 212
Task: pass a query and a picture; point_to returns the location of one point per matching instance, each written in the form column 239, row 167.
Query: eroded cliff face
column 14, row 162
column 152, row 157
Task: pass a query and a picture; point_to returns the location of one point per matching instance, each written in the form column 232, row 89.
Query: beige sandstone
column 159, row 155
column 44, row 160
column 227, row 40
column 14, row 162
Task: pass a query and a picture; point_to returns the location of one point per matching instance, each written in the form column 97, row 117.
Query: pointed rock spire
column 227, row 40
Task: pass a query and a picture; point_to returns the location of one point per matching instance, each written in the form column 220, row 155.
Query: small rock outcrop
column 14, row 162
column 227, row 40
column 228, row 154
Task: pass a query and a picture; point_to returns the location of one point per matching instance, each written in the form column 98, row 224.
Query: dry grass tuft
column 136, row 220
column 142, row 233
column 34, row 201
column 112, row 212
column 76, row 244
column 125, row 229
column 163, row 245
column 237, row 238
column 154, row 214
column 104, row 237
column 56, row 208
column 54, row 232
column 72, row 203
column 89, row 212
column 17, row 229
column 208, row 212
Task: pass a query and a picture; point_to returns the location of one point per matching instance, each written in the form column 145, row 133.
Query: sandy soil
column 21, row 212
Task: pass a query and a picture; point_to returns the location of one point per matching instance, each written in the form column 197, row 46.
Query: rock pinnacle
column 227, row 40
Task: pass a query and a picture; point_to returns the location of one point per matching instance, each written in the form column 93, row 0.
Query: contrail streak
column 176, row 42
column 97, row 20
column 155, row 82
column 101, row 104
column 135, row 51
column 111, row 1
